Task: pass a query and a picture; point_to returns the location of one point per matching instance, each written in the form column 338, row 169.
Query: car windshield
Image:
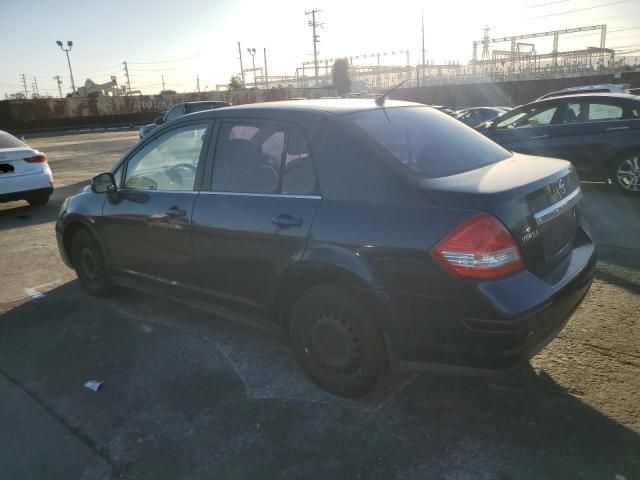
column 9, row 141
column 431, row 144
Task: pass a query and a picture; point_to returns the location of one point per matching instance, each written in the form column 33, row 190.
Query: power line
column 106, row 69
column 579, row 9
column 545, row 4
column 170, row 61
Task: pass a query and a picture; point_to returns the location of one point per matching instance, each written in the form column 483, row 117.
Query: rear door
column 254, row 221
column 587, row 135
column 147, row 223
column 528, row 130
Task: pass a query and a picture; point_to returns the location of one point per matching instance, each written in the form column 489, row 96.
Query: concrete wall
column 503, row 93
column 51, row 113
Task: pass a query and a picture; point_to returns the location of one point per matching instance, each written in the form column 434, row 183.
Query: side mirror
column 159, row 121
column 104, row 183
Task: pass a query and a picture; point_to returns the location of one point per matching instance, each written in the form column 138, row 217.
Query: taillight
column 41, row 158
column 481, row 247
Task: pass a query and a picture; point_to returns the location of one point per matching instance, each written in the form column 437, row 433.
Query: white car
column 24, row 172
column 602, row 88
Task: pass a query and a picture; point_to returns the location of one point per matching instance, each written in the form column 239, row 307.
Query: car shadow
column 20, row 214
column 189, row 395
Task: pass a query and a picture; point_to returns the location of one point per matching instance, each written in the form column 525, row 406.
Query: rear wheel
column 38, row 200
column 89, row 263
column 336, row 342
column 626, row 172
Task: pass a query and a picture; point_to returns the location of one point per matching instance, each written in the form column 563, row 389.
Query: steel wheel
column 89, row 263
column 627, row 174
column 336, row 341
column 334, row 344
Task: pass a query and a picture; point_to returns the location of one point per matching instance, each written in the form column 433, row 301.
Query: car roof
column 335, row 106
column 584, row 95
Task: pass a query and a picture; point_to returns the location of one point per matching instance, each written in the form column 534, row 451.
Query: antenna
column 380, row 99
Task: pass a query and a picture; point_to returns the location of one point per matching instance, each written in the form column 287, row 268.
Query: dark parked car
column 178, row 111
column 598, row 132
column 477, row 115
column 379, row 237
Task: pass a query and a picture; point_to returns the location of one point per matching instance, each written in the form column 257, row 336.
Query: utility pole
column 423, row 51
column 252, row 52
column 163, row 83
column 67, row 50
column 35, row 83
column 198, row 82
column 266, row 73
column 24, row 83
column 126, row 74
column 241, row 67
column 59, row 83
column 316, row 38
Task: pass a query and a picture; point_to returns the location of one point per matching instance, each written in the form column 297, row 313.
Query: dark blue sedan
column 598, row 132
column 379, row 235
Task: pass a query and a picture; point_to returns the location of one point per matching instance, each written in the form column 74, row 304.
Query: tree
column 235, row 84
column 340, row 74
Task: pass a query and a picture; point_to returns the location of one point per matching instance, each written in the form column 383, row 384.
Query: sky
column 186, row 39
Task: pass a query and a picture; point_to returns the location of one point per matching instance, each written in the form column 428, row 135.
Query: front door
column 147, row 223
column 254, row 221
column 528, row 131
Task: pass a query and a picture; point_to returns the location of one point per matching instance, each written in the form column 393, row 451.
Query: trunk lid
column 536, row 198
column 13, row 164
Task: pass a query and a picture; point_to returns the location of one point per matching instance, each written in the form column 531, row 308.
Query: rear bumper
column 21, row 186
column 24, row 195
column 489, row 325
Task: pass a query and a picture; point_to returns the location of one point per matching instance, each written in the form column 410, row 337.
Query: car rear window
column 430, row 143
column 9, row 141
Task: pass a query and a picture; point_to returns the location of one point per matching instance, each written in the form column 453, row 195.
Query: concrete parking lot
column 189, row 395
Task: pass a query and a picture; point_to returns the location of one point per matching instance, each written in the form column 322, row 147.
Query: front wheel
column 336, row 342
column 89, row 263
column 626, row 173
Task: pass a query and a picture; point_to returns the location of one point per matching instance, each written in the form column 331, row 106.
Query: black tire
column 336, row 342
column 89, row 263
column 625, row 172
column 38, row 200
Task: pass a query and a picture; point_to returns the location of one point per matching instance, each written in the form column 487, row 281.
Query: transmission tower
column 316, row 38
column 59, row 83
column 485, row 43
column 24, row 84
column 126, row 73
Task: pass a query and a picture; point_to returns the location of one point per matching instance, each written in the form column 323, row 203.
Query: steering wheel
column 177, row 173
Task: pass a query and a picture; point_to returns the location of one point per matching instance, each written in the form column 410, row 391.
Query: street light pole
column 252, row 52
column 67, row 50
column 266, row 72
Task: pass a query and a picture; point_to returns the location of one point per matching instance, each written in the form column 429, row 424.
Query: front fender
column 80, row 211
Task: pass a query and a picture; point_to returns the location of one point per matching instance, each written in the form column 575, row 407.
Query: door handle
column 615, row 128
column 539, row 137
column 175, row 212
column 285, row 221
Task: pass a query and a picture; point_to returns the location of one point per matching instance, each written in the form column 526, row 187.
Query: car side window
column 175, row 112
column 299, row 174
column 248, row 157
column 603, row 111
column 534, row 117
column 167, row 162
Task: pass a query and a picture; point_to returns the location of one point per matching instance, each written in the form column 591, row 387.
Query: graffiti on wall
column 151, row 103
